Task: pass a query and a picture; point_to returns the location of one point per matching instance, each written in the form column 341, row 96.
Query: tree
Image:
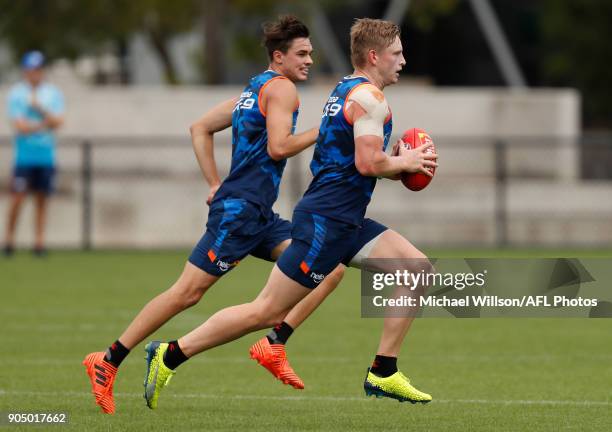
column 70, row 28
column 577, row 40
column 60, row 28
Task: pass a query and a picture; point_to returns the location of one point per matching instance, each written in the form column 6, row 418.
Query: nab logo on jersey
column 317, row 277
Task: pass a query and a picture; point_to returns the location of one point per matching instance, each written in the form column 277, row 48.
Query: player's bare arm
column 368, row 111
column 202, row 139
column 280, row 100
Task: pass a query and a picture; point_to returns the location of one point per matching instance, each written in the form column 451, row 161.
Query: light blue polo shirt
column 36, row 149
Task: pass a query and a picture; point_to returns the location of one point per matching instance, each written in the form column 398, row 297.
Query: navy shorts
column 237, row 228
column 319, row 244
column 33, row 178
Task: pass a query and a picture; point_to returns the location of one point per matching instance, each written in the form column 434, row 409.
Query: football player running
column 329, row 224
column 240, row 220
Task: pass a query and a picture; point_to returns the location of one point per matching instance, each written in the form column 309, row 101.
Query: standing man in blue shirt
column 35, row 109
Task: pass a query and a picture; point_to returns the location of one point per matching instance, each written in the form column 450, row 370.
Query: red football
column 414, row 138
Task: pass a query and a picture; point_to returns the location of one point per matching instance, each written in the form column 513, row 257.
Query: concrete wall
column 165, row 111
column 148, row 191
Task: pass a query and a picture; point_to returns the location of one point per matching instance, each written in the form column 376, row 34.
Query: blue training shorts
column 237, row 228
column 33, row 178
column 319, row 244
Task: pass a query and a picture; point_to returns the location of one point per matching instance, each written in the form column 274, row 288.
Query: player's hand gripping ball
column 412, row 139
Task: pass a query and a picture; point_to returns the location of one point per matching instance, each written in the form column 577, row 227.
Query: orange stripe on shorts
column 304, row 267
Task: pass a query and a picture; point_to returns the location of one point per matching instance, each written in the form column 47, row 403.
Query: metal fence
column 133, row 191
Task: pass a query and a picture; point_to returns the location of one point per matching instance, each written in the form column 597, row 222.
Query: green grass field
column 484, row 374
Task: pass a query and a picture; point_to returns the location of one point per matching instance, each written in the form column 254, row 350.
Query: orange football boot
column 274, row 358
column 102, row 376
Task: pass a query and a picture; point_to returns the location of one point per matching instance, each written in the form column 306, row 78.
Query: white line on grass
column 315, row 398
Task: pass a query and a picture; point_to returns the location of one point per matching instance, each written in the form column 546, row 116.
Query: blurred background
column 515, row 94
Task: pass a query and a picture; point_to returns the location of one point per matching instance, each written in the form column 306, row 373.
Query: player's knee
column 263, row 315
column 417, row 263
column 423, row 264
column 336, row 275
column 193, row 298
column 414, row 260
column 190, row 294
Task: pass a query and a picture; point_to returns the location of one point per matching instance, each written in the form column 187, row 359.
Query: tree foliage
column 70, row 28
column 577, row 50
column 423, row 13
